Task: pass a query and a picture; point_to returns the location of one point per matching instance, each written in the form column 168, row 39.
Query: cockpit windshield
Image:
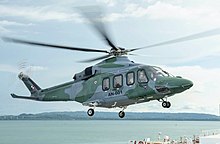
column 158, row 72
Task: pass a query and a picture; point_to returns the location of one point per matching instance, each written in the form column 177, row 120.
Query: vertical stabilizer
column 29, row 83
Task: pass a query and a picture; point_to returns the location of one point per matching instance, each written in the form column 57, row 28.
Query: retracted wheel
column 121, row 114
column 90, row 112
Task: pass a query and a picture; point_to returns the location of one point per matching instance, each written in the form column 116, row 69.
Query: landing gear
column 90, row 112
column 166, row 104
column 121, row 114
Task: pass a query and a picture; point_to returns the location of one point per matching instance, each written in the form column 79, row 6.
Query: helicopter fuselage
column 114, row 82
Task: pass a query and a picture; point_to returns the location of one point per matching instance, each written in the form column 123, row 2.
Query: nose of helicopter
column 187, row 84
column 176, row 84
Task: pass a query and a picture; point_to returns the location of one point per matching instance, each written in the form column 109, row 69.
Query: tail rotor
column 23, row 66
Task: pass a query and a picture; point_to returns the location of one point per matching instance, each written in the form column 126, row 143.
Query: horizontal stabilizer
column 24, row 97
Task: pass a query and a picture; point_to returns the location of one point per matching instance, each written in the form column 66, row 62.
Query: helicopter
column 114, row 82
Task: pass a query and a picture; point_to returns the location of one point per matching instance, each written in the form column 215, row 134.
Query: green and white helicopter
column 115, row 81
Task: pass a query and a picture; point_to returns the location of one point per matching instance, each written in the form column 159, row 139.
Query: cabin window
column 88, row 71
column 106, row 84
column 117, row 81
column 130, row 78
column 142, row 76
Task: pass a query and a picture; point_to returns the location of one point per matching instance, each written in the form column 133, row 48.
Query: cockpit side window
column 130, row 78
column 106, row 84
column 158, row 72
column 117, row 81
column 142, row 78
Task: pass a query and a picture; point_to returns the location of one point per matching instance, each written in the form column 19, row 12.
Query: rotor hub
column 118, row 52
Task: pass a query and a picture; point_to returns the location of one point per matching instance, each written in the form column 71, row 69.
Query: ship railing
column 210, row 132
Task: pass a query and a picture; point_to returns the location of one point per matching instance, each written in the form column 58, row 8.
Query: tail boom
column 56, row 93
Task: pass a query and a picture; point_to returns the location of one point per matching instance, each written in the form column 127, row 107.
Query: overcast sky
column 131, row 24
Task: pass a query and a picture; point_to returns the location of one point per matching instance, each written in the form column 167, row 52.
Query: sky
column 130, row 24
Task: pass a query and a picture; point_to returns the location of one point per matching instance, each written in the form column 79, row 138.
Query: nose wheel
column 90, row 112
column 165, row 103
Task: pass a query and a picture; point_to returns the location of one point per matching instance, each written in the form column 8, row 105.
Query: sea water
column 97, row 131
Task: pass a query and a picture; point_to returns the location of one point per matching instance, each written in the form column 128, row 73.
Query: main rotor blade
column 7, row 39
column 151, row 56
column 95, row 15
column 204, row 34
column 95, row 59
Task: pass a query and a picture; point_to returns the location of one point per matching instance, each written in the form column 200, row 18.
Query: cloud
column 135, row 10
column 8, row 68
column 37, row 13
column 161, row 10
column 109, row 3
column 6, row 23
column 15, row 69
column 13, row 23
column 3, row 30
column 200, row 14
column 204, row 15
column 113, row 17
column 156, row 10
